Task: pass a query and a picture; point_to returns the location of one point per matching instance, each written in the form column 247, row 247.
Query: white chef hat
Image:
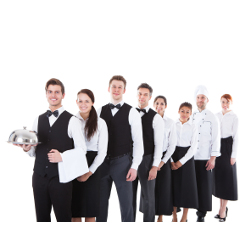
column 201, row 90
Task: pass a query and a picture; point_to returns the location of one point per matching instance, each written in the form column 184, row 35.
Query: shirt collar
column 78, row 115
column 189, row 122
column 165, row 116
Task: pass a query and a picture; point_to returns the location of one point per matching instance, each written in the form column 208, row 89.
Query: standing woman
column 185, row 193
column 86, row 188
column 224, row 173
column 163, row 186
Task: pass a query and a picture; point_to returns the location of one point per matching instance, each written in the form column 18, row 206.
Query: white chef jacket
column 98, row 142
column 208, row 134
column 229, row 127
column 170, row 138
column 134, row 120
column 187, row 134
column 74, row 163
column 158, row 127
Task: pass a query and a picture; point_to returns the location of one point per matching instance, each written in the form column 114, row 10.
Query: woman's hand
column 84, row 177
column 160, row 165
column 178, row 164
column 173, row 167
column 232, row 161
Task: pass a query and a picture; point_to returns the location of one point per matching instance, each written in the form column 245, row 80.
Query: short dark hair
column 162, row 97
column 118, row 78
column 146, row 86
column 186, row 104
column 54, row 81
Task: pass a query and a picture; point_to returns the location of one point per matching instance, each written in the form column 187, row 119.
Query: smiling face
column 84, row 103
column 160, row 106
column 54, row 96
column 144, row 96
column 185, row 113
column 225, row 104
column 116, row 90
column 201, row 101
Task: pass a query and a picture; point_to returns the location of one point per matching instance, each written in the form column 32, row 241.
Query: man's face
column 116, row 89
column 144, row 96
column 201, row 101
column 54, row 95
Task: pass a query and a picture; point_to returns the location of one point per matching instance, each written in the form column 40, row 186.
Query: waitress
column 163, row 186
column 86, row 188
column 224, row 173
column 185, row 193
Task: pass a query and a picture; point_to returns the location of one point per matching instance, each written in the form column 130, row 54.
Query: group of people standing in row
column 179, row 164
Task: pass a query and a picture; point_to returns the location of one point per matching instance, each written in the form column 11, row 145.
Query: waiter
column 125, row 140
column 153, row 134
column 61, row 141
column 207, row 150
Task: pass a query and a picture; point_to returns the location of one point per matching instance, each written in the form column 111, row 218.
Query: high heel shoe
column 224, row 219
column 217, row 216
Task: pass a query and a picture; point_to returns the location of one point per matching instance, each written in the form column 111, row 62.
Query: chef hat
column 201, row 90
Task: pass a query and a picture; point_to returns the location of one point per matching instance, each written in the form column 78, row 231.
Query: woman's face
column 160, row 106
column 185, row 114
column 84, row 103
column 225, row 104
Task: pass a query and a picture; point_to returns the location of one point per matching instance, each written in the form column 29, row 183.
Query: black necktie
column 112, row 106
column 142, row 110
column 49, row 113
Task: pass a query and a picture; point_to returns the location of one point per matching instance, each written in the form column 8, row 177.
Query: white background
column 171, row 45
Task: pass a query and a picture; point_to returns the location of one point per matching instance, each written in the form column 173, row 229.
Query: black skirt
column 86, row 195
column 225, row 174
column 184, row 184
column 163, row 191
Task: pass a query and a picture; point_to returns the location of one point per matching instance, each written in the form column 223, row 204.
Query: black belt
column 109, row 157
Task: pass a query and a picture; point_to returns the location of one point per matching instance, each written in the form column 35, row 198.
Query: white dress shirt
column 158, row 127
column 170, row 138
column 136, row 133
column 208, row 134
column 74, row 162
column 229, row 127
column 98, row 142
column 187, row 134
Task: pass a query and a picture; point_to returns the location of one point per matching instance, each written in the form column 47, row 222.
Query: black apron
column 184, row 181
column 86, row 195
column 163, row 190
column 224, row 174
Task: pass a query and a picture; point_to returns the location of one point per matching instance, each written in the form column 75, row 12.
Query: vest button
column 46, row 166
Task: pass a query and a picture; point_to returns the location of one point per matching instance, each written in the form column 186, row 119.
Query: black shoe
column 217, row 216
column 200, row 219
column 226, row 211
column 222, row 219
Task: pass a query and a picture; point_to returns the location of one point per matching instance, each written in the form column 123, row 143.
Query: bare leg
column 90, row 219
column 221, row 202
column 184, row 216
column 160, row 218
column 174, row 215
column 77, row 219
column 223, row 209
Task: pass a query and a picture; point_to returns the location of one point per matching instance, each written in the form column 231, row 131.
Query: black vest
column 148, row 132
column 55, row 137
column 120, row 139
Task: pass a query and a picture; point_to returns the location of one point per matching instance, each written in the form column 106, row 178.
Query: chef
column 153, row 134
column 207, row 150
column 60, row 157
column 125, row 141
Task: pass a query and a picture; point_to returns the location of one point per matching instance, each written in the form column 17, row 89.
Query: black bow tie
column 112, row 106
column 49, row 113
column 142, row 110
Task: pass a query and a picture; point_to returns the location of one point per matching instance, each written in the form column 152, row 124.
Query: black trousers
column 50, row 192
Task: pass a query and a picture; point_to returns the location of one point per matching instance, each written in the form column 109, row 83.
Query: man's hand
column 160, row 165
column 152, row 173
column 25, row 147
column 211, row 163
column 132, row 174
column 54, row 156
column 232, row 161
column 84, row 177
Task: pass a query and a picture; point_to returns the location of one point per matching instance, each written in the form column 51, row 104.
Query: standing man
column 207, row 150
column 153, row 134
column 60, row 157
column 125, row 140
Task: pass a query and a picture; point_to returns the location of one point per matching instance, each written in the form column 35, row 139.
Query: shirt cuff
column 215, row 153
column 134, row 166
column 234, row 155
column 182, row 161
